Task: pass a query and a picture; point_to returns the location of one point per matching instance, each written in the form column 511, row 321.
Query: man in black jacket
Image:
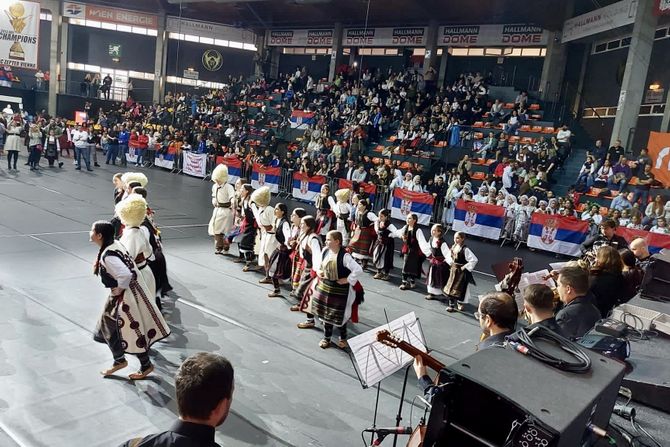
column 579, row 314
column 607, row 236
column 204, row 387
column 538, row 304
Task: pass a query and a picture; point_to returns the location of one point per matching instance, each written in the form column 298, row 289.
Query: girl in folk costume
column 363, row 234
column 437, row 251
column 342, row 211
column 382, row 250
column 336, row 290
column 411, row 251
column 452, row 196
column 523, row 212
column 132, row 211
column 130, row 322
column 221, row 222
column 510, row 216
column 325, row 218
column 462, row 262
column 296, row 260
column 247, row 237
column 238, row 216
column 119, row 188
column 265, row 219
column 279, row 265
column 157, row 262
column 310, row 248
column 52, row 148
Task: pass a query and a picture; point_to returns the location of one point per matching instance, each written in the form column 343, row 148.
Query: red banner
column 655, row 241
column 368, row 188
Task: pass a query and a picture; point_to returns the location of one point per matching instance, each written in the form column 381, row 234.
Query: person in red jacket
column 142, row 146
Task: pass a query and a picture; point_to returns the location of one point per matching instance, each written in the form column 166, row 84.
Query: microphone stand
column 398, row 417
column 374, row 419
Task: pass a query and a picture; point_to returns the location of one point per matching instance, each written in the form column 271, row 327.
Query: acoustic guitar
column 388, row 339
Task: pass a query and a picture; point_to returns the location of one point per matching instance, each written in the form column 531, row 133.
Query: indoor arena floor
column 288, row 391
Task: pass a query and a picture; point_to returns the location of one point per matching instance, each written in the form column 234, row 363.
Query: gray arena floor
column 288, row 391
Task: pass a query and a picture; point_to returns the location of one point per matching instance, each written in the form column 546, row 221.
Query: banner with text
column 492, row 35
column 604, row 19
column 109, row 15
column 386, row 37
column 655, row 241
column 208, row 29
column 20, row 32
column 300, row 38
column 195, row 164
column 265, row 176
column 408, row 202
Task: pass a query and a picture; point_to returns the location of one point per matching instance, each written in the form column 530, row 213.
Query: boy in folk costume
column 132, row 211
column 265, row 219
column 130, row 322
column 335, row 291
column 309, row 246
column 363, row 233
column 279, row 266
column 382, row 249
column 133, row 177
column 462, row 262
column 325, row 218
column 247, row 236
column 411, row 251
column 221, row 222
column 342, row 212
column 437, row 252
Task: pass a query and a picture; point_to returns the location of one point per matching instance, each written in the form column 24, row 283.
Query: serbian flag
column 557, row 234
column 408, row 202
column 301, row 119
column 479, row 219
column 307, row 188
column 265, row 176
column 234, row 167
column 655, row 241
column 164, row 160
column 369, row 189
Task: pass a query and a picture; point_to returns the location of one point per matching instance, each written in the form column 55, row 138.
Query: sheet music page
column 557, row 265
column 536, row 278
column 376, row 361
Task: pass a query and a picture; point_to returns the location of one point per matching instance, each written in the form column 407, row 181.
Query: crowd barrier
column 547, row 232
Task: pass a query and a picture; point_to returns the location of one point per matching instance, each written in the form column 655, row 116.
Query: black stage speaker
column 499, row 397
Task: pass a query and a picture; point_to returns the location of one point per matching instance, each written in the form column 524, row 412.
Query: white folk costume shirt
column 341, row 208
column 355, row 271
column 222, row 217
column 286, row 231
column 265, row 217
column 315, row 246
column 138, row 246
column 470, row 263
column 427, row 249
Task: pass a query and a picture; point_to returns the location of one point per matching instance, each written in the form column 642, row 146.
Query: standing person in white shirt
column 81, row 147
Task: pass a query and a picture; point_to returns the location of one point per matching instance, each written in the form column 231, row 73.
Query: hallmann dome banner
column 19, row 33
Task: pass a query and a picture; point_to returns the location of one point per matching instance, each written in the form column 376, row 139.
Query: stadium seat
column 478, row 176
column 478, row 135
column 405, row 165
column 534, row 107
column 509, row 105
column 478, row 124
column 537, row 129
column 525, row 128
column 379, row 148
column 549, row 130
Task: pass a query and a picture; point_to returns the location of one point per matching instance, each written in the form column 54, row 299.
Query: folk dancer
column 382, row 250
column 363, row 233
column 437, row 251
column 310, row 252
column 325, row 219
column 335, row 291
column 222, row 214
column 342, row 211
column 279, row 265
column 296, row 260
column 265, row 219
column 462, row 262
column 411, row 251
column 130, row 322
column 246, row 239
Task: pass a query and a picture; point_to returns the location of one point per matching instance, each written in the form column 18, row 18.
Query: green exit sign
column 114, row 50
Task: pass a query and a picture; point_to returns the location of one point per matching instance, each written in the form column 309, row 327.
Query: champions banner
column 19, row 34
column 659, row 151
column 367, row 188
column 234, row 168
column 479, row 219
column 265, row 176
column 307, row 188
column 164, row 160
column 195, row 164
column 557, row 234
column 655, row 241
column 408, row 202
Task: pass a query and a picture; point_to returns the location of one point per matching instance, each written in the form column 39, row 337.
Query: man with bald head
column 640, row 249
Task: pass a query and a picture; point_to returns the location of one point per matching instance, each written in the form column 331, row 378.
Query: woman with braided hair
column 130, row 322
